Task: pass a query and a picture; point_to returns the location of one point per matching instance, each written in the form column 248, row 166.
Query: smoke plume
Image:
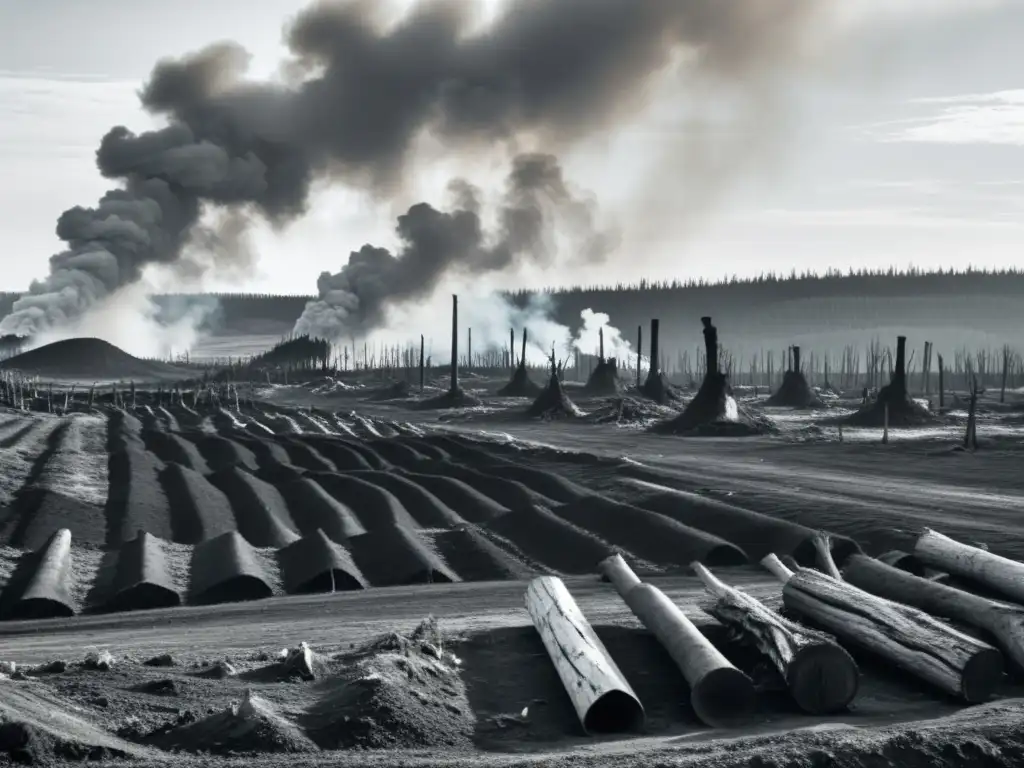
column 547, row 72
column 439, row 244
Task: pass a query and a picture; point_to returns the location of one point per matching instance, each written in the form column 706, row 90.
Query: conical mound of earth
column 89, row 359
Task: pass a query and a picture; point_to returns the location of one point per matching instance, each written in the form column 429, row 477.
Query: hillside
column 974, row 309
column 89, row 360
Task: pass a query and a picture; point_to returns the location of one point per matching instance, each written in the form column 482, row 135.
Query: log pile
column 902, row 635
column 1002, row 621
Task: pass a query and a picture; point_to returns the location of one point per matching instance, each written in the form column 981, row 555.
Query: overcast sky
column 901, row 144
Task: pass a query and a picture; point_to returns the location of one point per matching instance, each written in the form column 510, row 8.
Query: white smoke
column 131, row 320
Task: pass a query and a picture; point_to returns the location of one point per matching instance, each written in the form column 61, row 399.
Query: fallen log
column 821, row 676
column 720, row 694
column 907, row 637
column 1003, row 621
column 999, row 574
column 603, row 700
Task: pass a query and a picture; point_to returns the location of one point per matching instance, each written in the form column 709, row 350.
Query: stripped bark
column 603, row 700
column 999, row 574
column 720, row 694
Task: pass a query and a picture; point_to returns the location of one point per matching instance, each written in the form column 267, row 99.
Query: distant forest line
column 953, row 308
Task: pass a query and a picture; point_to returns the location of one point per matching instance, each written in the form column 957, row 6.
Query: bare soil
column 447, row 514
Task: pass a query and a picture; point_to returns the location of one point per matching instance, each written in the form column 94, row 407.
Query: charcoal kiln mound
column 89, row 359
column 795, row 392
column 398, row 390
column 657, row 386
column 453, row 398
column 893, row 404
column 604, row 380
column 713, row 411
column 553, row 403
column 520, row 385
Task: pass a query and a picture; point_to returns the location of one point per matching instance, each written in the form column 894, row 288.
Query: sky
column 899, row 142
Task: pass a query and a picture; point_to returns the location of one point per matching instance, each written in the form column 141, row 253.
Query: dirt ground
column 477, row 688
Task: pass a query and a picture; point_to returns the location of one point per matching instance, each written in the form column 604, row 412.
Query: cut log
column 603, row 700
column 904, row 636
column 1003, row 621
column 720, row 694
column 999, row 574
column 821, row 676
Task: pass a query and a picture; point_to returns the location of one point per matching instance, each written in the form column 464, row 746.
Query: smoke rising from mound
column 437, row 244
column 360, row 93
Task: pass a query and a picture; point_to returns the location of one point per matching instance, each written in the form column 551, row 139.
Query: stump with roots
column 894, row 397
column 713, row 410
column 795, row 392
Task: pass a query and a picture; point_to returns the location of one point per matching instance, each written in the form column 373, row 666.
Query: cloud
column 986, row 118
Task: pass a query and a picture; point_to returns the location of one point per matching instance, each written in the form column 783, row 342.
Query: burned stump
column 657, row 386
column 520, row 385
column 893, row 407
column 713, row 410
column 795, row 392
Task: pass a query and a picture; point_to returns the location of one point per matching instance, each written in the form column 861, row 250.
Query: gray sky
column 900, row 142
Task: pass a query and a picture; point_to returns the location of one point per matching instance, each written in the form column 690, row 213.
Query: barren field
column 338, row 517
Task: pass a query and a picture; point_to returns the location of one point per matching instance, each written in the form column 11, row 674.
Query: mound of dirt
column 250, row 726
column 553, row 403
column 453, row 398
column 715, row 412
column 604, row 380
column 893, row 404
column 90, row 360
column 36, row 730
column 396, row 692
column 398, row 390
column 520, row 385
column 795, row 392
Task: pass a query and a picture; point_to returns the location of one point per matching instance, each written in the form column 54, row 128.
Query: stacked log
column 1002, row 621
column 907, row 637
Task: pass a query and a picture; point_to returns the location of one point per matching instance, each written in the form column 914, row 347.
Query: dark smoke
column 554, row 71
column 437, row 244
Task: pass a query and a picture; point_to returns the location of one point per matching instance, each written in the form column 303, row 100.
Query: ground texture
column 221, row 537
